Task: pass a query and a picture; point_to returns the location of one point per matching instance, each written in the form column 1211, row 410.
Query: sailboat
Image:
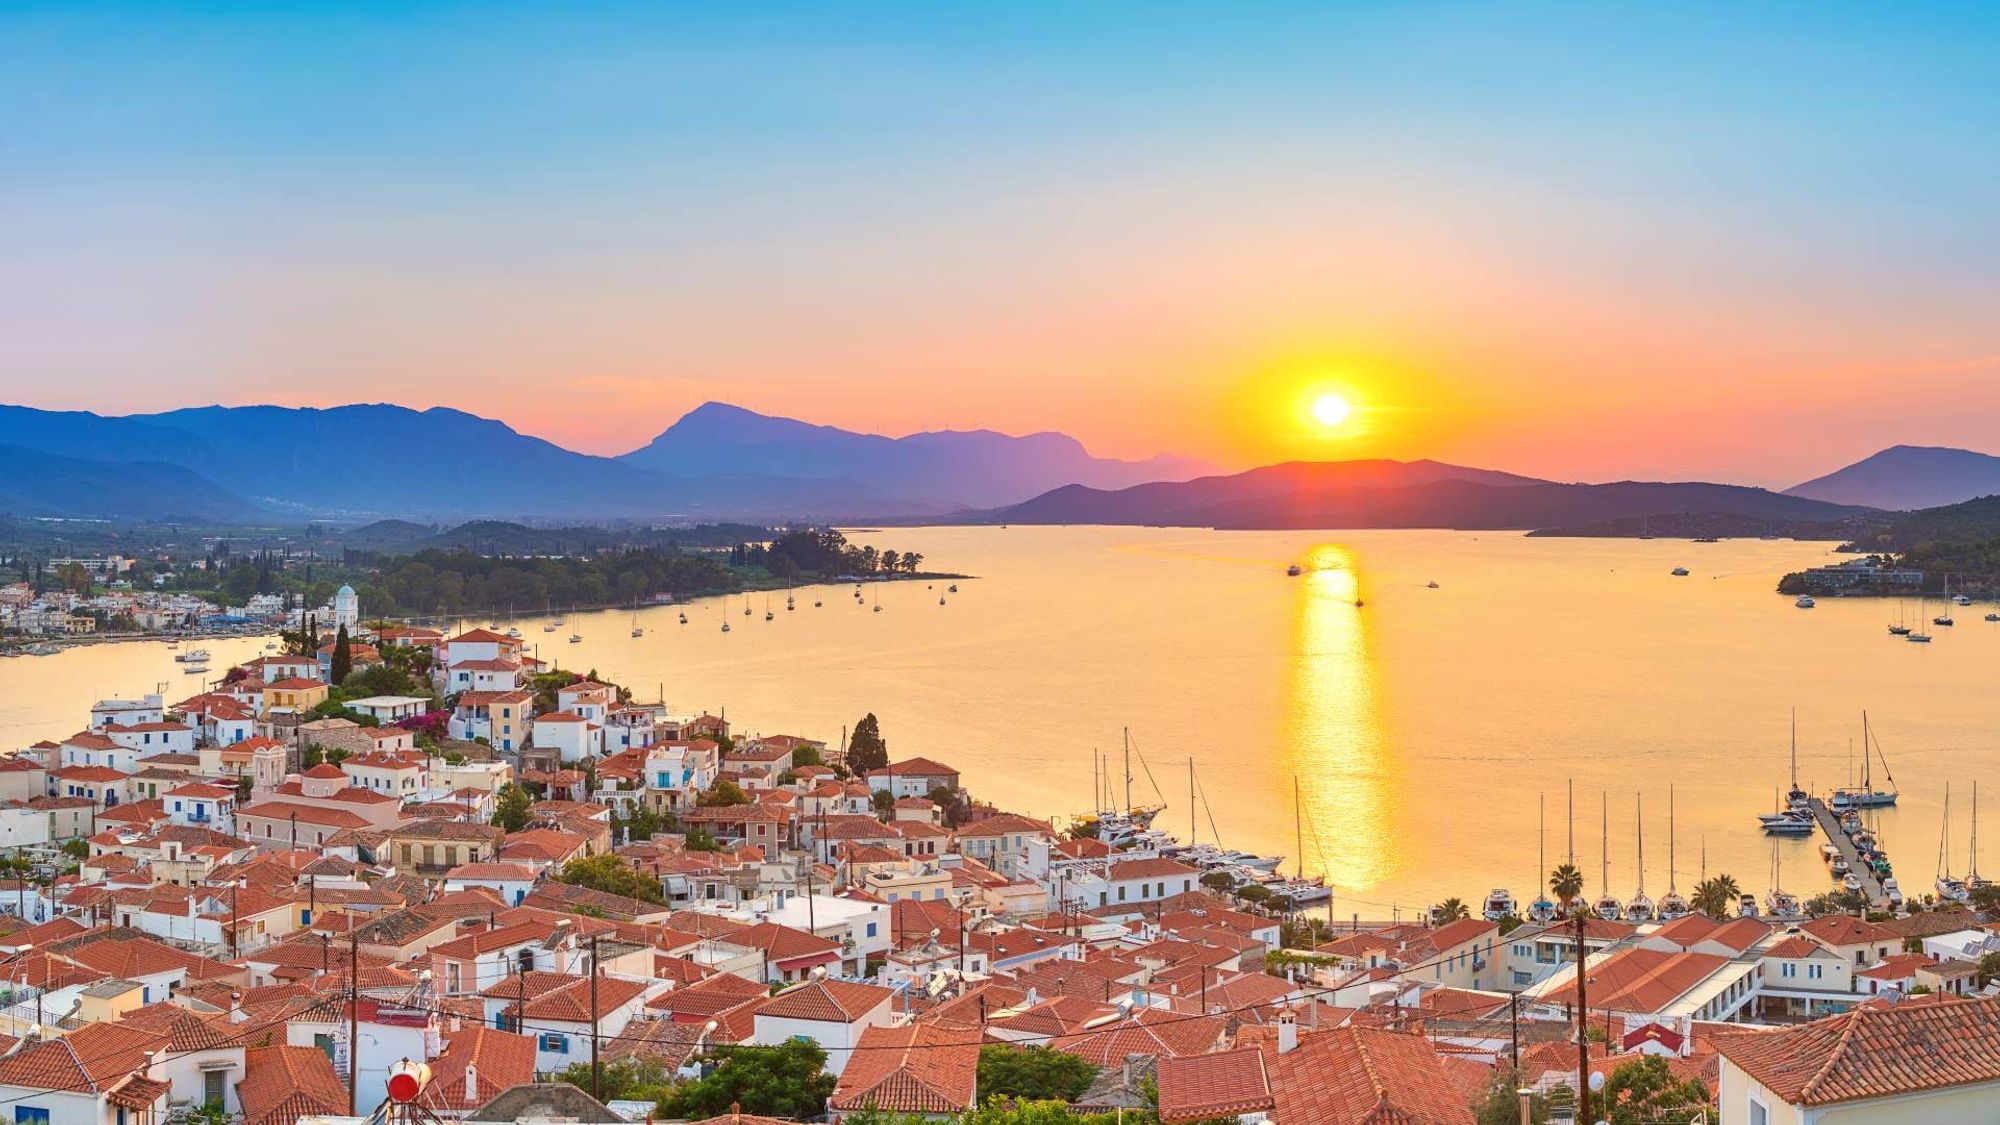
column 1672, row 905
column 1115, row 825
column 878, row 599
column 1778, row 903
column 1865, row 795
column 1794, row 816
column 789, row 606
column 768, row 615
column 1973, row 879
column 548, row 607
column 1944, row 614
column 636, row 630
column 1606, row 907
column 1299, row 889
column 1541, row 910
column 1947, row 886
column 725, row 613
column 1640, row 909
column 1900, row 628
column 1913, row 635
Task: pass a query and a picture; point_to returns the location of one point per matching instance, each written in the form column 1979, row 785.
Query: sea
column 1418, row 714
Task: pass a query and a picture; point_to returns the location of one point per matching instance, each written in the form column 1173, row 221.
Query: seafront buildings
column 240, row 896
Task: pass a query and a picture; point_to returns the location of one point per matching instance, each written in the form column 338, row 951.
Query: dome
column 347, row 591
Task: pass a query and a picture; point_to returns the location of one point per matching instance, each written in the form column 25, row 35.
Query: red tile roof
column 1873, row 1052
column 282, row 1084
column 826, row 1001
column 497, row 1060
column 1223, row 1084
column 921, row 1068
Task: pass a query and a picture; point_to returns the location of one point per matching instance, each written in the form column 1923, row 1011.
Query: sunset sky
column 1587, row 241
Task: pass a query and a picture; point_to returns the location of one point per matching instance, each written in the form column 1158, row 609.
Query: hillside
column 35, row 483
column 940, row 471
column 1408, row 494
column 1908, row 477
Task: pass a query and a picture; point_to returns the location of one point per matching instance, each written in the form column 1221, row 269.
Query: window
column 1788, row 970
column 558, row 1044
column 1758, row 1114
column 212, row 1084
column 1814, row 971
column 871, row 929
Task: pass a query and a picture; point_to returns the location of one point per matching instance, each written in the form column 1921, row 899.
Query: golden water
column 1421, row 727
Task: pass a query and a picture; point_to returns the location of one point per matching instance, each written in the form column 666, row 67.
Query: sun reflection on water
column 1334, row 729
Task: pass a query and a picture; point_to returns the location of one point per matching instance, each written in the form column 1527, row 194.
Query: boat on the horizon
column 1679, row 572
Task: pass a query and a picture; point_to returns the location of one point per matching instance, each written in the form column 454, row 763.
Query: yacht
column 1301, row 891
column 1541, row 910
column 575, row 638
column 1783, row 906
column 1499, row 904
column 1640, row 907
column 1606, row 907
column 1746, row 906
column 192, row 656
column 1961, row 599
column 1672, row 905
column 1789, row 825
column 1805, row 601
column 1679, row 572
column 1865, row 795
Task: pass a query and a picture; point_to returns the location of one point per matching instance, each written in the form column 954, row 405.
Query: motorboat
column 940, row 599
column 1789, row 826
column 1850, row 882
column 513, row 632
column 1993, row 617
column 684, row 618
column 951, row 589
column 1805, row 601
column 1679, row 572
column 1294, row 570
column 1301, row 891
column 1499, row 904
column 1782, row 905
column 195, row 670
column 1828, row 852
column 575, row 638
column 549, row 628
column 1431, row 585
column 1252, row 861
column 192, row 656
column 1838, row 866
column 1961, row 599
column 1746, row 906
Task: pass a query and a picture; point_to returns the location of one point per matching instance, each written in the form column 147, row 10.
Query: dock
column 1829, row 823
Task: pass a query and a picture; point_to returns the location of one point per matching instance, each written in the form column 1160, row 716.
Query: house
column 284, row 1083
column 915, row 777
column 203, row 805
column 293, row 695
column 476, row 1065
column 90, row 748
column 402, row 774
column 1861, row 942
column 1334, row 1076
column 148, row 739
column 511, row 881
column 432, row 846
column 100, row 1074
column 1001, row 842
column 484, row 675
column 102, row 786
column 498, row 717
column 1801, row 978
column 570, row 734
column 916, row 1069
column 1907, row 1062
column 558, row 1011
column 290, row 824
column 831, row 1013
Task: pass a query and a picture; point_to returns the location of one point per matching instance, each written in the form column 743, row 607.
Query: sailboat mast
column 1541, row 835
column 1795, row 749
column 1639, row 803
column 1298, row 827
column 1572, row 822
column 1193, row 834
column 1604, row 842
column 1670, row 838
column 1128, row 768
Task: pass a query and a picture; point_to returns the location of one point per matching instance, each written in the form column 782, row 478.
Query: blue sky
column 1495, row 226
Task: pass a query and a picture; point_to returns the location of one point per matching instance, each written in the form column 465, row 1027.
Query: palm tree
column 1716, row 897
column 1566, row 883
column 1450, row 910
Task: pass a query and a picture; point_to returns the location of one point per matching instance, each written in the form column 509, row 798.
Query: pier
column 1830, row 824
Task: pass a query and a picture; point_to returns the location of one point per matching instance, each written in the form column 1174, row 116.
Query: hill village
column 264, row 902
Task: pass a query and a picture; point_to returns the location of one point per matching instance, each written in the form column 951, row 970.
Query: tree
column 1645, row 1090
column 865, row 748
column 628, row 1079
column 1032, row 1073
column 1716, row 896
column 723, row 792
column 1450, row 910
column 343, row 656
column 612, row 874
column 1500, row 1102
column 1989, row 969
column 805, row 756
column 1566, row 883
column 788, row 1080
column 512, row 808
column 1986, row 899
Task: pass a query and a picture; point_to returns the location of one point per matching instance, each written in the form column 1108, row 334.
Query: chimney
column 471, row 1083
column 1288, row 1032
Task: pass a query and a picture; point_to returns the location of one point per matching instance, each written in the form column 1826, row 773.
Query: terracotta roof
column 1873, row 1052
column 921, row 1068
column 310, row 814
column 1640, row 980
column 282, row 1084
column 826, row 1001
column 92, row 1058
column 1846, row 929
column 914, row 767
column 707, row 997
column 498, row 1060
column 1223, row 1084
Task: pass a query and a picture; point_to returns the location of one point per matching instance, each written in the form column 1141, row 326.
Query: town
column 379, row 848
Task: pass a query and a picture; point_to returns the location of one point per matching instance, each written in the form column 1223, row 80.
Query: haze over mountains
column 358, row 463
column 1908, row 477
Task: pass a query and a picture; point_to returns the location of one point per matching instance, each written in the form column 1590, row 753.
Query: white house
column 148, row 739
column 390, row 708
column 570, row 734
column 203, row 805
column 1904, row 1064
column 123, row 712
column 831, row 1013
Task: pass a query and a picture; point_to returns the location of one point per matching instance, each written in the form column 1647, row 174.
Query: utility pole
column 593, row 1016
column 353, row 1020
column 1582, row 1035
column 1514, row 1017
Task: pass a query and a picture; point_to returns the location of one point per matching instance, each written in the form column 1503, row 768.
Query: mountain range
column 252, row 463
column 1908, row 477
column 1355, row 494
column 263, row 464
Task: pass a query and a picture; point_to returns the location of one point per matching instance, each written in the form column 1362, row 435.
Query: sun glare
column 1330, row 410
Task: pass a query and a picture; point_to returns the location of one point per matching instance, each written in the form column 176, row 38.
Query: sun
column 1330, row 410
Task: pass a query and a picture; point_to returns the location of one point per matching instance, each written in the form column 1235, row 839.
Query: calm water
column 1420, row 729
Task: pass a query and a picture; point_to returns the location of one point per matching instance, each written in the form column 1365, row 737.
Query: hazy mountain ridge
column 36, row 483
column 1415, row 494
column 1908, row 477
column 940, row 470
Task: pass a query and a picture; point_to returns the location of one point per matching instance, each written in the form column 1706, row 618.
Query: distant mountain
column 1354, row 494
column 943, row 470
column 381, row 460
column 1907, row 477
column 37, row 483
